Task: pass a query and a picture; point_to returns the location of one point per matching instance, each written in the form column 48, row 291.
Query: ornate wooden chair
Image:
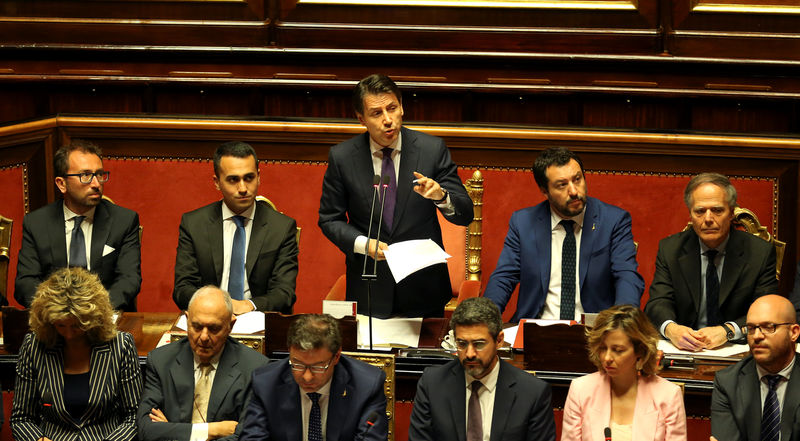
column 5, row 257
column 386, row 363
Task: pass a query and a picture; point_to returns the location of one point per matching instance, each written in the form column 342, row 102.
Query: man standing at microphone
column 421, row 179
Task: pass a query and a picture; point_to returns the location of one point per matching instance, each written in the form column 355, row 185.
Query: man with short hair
column 479, row 396
column 758, row 398
column 197, row 388
column 421, row 180
column 318, row 393
column 82, row 230
column 243, row 246
column 707, row 276
column 569, row 254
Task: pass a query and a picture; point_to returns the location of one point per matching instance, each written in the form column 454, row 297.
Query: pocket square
column 107, row 250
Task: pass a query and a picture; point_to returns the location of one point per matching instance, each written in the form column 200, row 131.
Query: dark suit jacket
column 794, row 296
column 344, row 215
column 115, row 385
column 271, row 262
column 747, row 273
column 169, row 386
column 736, row 404
column 274, row 413
column 608, row 269
column 44, row 250
column 522, row 407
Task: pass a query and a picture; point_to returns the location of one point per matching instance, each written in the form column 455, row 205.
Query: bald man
column 173, row 406
column 770, row 373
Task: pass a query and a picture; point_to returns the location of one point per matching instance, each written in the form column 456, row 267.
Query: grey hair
column 314, row 331
column 717, row 179
column 478, row 311
column 225, row 296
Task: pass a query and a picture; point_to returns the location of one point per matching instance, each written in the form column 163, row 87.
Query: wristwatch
column 729, row 334
column 443, row 199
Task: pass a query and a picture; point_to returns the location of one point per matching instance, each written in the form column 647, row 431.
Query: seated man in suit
column 479, row 396
column 243, row 246
column 569, row 254
column 707, row 277
column 197, row 388
column 317, row 393
column 758, row 398
column 82, row 230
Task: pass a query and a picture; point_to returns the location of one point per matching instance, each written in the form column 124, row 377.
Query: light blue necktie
column 236, row 275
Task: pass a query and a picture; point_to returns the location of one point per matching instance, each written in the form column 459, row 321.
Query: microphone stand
column 384, row 186
column 374, row 275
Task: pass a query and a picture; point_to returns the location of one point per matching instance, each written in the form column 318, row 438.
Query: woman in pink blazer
column 626, row 395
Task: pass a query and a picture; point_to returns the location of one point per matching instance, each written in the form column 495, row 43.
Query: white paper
column 726, row 350
column 248, row 323
column 510, row 334
column 338, row 308
column 405, row 258
column 389, row 332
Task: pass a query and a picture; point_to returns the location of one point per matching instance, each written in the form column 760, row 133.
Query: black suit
column 344, row 215
column 522, row 407
column 736, row 404
column 748, row 272
column 270, row 265
column 169, row 386
column 44, row 250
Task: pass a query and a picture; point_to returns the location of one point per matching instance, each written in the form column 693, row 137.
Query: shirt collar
column 375, row 148
column 324, row 390
column 228, row 214
column 556, row 219
column 720, row 248
column 69, row 214
column 214, row 362
column 489, row 381
column 786, row 372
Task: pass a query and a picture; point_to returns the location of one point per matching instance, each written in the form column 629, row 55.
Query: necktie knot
column 239, row 220
column 711, row 254
column 568, row 226
column 314, row 397
column 78, row 220
column 476, row 386
column 387, row 152
column 205, row 369
column 773, row 381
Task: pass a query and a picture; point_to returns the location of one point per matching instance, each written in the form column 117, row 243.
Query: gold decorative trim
column 386, row 363
column 188, row 159
column 751, row 8
column 474, row 236
column 5, row 253
column 25, row 194
column 527, row 4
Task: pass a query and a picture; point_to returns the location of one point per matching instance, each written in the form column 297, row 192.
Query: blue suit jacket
column 522, row 406
column 274, row 412
column 608, row 269
column 115, row 385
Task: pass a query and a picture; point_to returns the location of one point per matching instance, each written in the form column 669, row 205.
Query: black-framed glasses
column 479, row 345
column 315, row 369
column 87, row 176
column 766, row 328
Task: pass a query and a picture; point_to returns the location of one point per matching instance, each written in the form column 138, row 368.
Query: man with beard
column 758, row 398
column 707, row 276
column 592, row 257
column 82, row 230
column 479, row 396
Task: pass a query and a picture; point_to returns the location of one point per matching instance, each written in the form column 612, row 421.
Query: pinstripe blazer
column 115, row 386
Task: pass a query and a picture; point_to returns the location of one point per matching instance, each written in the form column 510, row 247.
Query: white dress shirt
column 786, row 373
column 552, row 303
column 324, row 399
column 228, row 231
column 486, row 398
column 86, row 226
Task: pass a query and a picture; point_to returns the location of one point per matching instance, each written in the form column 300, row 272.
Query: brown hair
column 632, row 321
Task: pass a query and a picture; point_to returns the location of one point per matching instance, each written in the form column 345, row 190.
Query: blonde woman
column 625, row 395
column 77, row 376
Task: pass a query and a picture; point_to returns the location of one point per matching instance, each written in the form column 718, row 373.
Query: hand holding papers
column 406, row 258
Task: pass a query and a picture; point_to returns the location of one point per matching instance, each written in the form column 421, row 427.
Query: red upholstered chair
column 271, row 204
column 463, row 243
column 5, row 256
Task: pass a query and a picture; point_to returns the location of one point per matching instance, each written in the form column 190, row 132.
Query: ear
column 500, row 338
column 336, row 357
column 361, row 119
column 61, row 183
column 216, row 182
column 233, row 320
column 794, row 332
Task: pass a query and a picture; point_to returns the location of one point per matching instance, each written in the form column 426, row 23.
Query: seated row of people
column 79, row 378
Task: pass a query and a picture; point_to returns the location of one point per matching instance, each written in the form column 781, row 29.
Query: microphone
column 607, row 433
column 370, row 422
column 375, row 181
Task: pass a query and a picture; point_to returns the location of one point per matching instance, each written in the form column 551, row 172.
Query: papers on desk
column 388, row 333
column 408, row 257
column 725, row 351
column 248, row 323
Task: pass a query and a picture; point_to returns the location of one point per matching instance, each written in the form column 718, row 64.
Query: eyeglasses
column 316, row 369
column 765, row 328
column 479, row 345
column 87, row 176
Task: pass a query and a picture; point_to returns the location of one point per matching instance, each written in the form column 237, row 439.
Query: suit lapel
column 58, row 238
column 214, row 234
column 735, row 264
column 689, row 261
column 183, row 383
column 600, row 410
column 54, row 363
column 99, row 365
column 227, row 374
column 503, row 401
column 338, row 403
column 543, row 232
column 645, row 413
column 748, row 399
column 458, row 386
column 409, row 160
column 257, row 234
column 363, row 170
column 791, row 401
column 590, row 220
column 290, row 408
column 101, row 227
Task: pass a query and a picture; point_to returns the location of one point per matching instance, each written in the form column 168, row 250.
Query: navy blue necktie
column 771, row 416
column 387, row 169
column 712, row 291
column 236, row 274
column 77, row 245
column 314, row 418
column 568, row 257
